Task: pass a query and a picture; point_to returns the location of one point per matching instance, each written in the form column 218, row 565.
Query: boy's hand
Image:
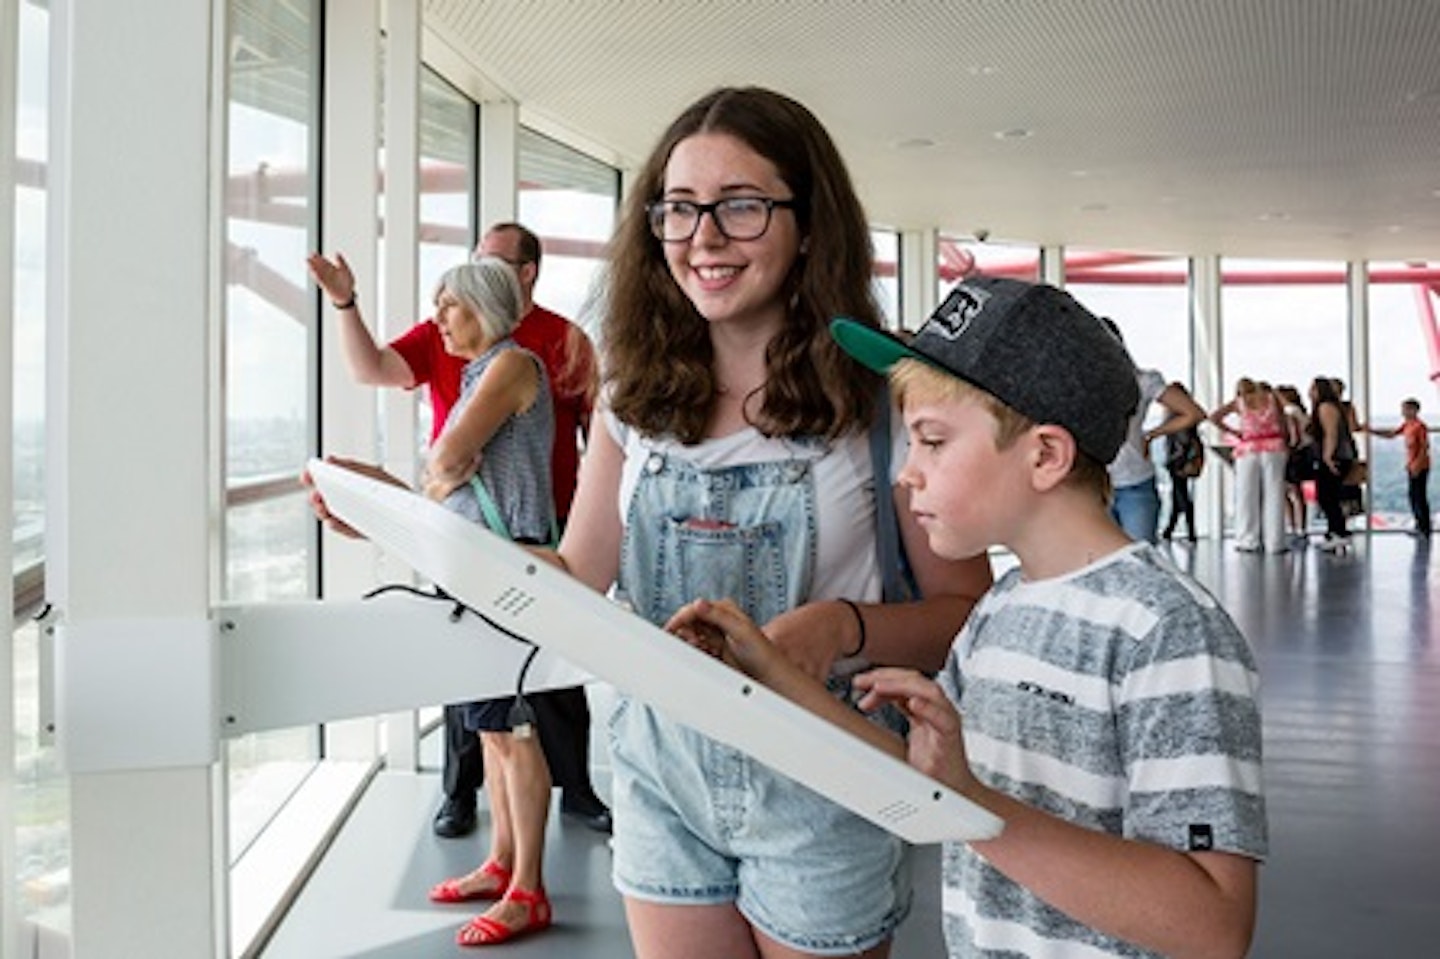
column 935, row 746
column 720, row 628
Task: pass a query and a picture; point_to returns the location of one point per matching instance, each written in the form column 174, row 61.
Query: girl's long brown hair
column 658, row 356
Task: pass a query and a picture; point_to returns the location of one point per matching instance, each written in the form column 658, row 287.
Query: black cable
column 522, row 714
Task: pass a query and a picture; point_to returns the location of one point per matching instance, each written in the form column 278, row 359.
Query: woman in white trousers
column 1257, row 422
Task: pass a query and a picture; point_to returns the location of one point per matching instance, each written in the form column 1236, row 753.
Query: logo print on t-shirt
column 1202, row 838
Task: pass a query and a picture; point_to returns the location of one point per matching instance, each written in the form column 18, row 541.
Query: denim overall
column 699, row 822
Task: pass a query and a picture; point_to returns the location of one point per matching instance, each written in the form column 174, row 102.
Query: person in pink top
column 1256, row 422
column 418, row 358
column 1417, row 461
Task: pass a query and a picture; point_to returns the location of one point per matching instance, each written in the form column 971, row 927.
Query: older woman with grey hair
column 491, row 464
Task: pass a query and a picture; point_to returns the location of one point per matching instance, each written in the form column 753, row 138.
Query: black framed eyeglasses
column 736, row 217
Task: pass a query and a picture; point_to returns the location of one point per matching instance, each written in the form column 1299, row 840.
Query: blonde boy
column 1109, row 704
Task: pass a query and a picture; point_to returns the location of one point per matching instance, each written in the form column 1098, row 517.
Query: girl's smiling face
column 730, row 281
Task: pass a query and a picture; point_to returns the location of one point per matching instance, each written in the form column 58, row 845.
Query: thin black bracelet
column 347, row 305
column 860, row 621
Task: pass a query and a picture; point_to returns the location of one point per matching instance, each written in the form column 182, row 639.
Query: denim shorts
column 699, row 823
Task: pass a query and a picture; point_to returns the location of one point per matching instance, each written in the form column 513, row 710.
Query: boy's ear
column 1052, row 456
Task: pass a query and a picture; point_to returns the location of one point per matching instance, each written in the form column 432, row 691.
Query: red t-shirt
column 1417, row 445
column 569, row 363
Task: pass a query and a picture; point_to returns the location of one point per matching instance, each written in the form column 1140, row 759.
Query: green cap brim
column 871, row 347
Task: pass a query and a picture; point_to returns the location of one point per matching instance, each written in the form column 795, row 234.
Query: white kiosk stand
column 520, row 595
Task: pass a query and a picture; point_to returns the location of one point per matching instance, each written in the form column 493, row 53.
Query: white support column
column 919, row 276
column 499, row 162
column 1052, row 265
column 1357, row 283
column 130, row 497
column 351, row 180
column 1205, row 332
column 402, row 214
column 9, row 82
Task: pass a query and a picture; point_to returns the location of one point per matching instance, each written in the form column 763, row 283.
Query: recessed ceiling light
column 1014, row 133
column 1274, row 216
column 982, row 70
column 1079, row 174
column 1394, row 228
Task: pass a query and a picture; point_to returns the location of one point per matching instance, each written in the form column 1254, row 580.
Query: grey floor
column 1349, row 650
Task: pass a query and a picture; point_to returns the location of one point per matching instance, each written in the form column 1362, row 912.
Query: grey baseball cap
column 1030, row 345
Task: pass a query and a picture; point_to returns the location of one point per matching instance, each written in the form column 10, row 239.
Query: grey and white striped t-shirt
column 1120, row 697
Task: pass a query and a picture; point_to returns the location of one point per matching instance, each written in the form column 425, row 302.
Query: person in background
column 490, row 463
column 1099, row 702
column 1135, row 501
column 1184, row 460
column 418, row 358
column 1352, row 417
column 735, row 435
column 1335, row 453
column 1299, row 461
column 1352, row 482
column 1417, row 461
column 1255, row 420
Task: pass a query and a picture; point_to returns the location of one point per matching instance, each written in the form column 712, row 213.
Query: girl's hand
column 721, row 629
column 935, row 745
column 814, row 636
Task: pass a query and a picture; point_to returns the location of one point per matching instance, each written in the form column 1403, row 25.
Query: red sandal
column 450, row 891
column 484, row 931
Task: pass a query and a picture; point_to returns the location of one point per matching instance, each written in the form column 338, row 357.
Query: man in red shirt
column 418, row 357
column 1417, row 461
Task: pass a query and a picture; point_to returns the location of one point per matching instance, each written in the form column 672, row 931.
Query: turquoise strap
column 488, row 509
column 495, row 521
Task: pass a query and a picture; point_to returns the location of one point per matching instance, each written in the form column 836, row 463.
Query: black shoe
column 589, row 812
column 456, row 818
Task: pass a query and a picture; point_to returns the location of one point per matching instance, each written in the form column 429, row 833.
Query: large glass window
column 1148, row 298
column 569, row 200
column 447, row 193
column 960, row 257
column 447, row 177
column 269, row 355
column 41, row 813
column 1404, row 364
column 1283, row 323
column 887, row 275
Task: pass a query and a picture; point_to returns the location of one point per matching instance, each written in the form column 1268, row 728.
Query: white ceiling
column 1299, row 129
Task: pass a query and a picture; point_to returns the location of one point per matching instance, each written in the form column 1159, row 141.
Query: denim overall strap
column 698, row 822
column 897, row 579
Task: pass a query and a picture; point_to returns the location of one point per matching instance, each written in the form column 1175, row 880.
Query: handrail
column 29, row 580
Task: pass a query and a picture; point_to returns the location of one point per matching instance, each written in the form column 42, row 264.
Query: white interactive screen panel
column 527, row 596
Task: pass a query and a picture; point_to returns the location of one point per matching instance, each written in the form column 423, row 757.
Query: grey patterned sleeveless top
column 515, row 464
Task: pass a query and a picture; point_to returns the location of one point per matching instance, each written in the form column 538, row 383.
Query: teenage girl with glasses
column 733, row 433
